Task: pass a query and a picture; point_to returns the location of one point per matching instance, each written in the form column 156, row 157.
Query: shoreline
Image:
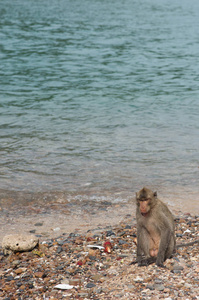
column 49, row 220
column 57, row 219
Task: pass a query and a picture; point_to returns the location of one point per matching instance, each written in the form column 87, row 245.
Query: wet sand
column 49, row 214
column 60, row 219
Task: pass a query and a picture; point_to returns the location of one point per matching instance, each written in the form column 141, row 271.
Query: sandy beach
column 63, row 256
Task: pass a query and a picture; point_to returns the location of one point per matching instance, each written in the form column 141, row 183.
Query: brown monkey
column 155, row 229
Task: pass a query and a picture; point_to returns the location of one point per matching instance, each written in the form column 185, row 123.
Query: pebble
column 38, row 224
column 90, row 285
column 100, row 275
column 159, row 287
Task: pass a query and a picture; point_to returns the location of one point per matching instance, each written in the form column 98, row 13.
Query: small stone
column 19, row 242
column 39, row 274
column 9, row 278
column 15, row 263
column 121, row 242
column 158, row 281
column 75, row 281
column 138, row 279
column 59, row 249
column 109, row 233
column 99, row 290
column 150, row 287
column 127, row 227
column 38, row 224
column 130, row 286
column 159, row 287
column 83, row 295
column 96, row 277
column 56, row 229
column 20, row 270
column 90, row 285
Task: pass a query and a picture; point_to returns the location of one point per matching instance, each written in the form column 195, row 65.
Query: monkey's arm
column 142, row 244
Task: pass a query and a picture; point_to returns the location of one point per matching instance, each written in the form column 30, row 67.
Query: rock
column 38, row 224
column 19, row 242
column 75, row 281
column 96, row 277
column 138, row 279
column 159, row 286
column 178, row 267
column 56, row 229
column 90, row 285
column 20, row 270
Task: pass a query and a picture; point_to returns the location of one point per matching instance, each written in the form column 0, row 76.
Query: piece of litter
column 95, row 247
column 63, row 286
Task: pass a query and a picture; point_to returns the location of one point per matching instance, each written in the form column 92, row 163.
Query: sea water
column 100, row 98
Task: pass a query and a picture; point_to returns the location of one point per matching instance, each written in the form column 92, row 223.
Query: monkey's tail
column 187, row 244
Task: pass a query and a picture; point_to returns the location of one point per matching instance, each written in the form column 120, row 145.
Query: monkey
column 155, row 229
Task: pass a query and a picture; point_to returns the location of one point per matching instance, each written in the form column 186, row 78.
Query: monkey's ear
column 155, row 194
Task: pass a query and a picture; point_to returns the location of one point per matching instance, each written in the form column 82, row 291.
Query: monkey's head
column 145, row 199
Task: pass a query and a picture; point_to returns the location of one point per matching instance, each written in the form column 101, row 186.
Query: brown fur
column 155, row 229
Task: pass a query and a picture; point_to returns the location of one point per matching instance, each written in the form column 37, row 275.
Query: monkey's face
column 144, row 205
column 145, row 200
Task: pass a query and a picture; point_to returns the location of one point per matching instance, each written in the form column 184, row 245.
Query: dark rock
column 59, row 249
column 90, row 285
column 178, row 235
column 39, row 224
column 121, row 242
column 72, row 235
column 128, row 227
column 109, row 233
column 91, row 257
column 9, row 278
column 60, row 268
column 30, row 285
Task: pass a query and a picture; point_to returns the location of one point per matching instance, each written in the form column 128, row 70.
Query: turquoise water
column 99, row 97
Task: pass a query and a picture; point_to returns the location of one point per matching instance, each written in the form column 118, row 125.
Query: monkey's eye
column 142, row 200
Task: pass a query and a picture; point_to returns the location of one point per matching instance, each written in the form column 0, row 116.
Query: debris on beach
column 76, row 266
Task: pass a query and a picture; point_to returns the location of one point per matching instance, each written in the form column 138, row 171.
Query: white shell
column 63, row 286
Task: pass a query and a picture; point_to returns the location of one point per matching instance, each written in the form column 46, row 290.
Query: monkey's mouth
column 144, row 214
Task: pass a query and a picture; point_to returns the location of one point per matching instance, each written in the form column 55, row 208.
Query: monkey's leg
column 171, row 247
column 164, row 246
